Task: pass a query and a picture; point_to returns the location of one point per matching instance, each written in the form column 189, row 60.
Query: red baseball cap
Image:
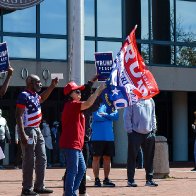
column 71, row 86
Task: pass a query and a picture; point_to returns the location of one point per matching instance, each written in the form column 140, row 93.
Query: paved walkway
column 182, row 182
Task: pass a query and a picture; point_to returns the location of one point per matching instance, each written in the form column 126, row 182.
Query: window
column 144, row 18
column 53, row 49
column 89, row 18
column 53, row 17
column 21, row 47
column 109, row 20
column 22, row 21
column 89, row 51
column 104, row 46
column 185, row 21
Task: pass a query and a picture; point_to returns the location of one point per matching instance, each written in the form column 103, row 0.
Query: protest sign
column 57, row 75
column 103, row 62
column 4, row 59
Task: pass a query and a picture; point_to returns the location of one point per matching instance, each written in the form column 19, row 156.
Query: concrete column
column 180, row 126
column 120, row 140
column 76, row 40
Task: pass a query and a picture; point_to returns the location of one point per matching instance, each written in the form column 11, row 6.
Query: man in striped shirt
column 28, row 118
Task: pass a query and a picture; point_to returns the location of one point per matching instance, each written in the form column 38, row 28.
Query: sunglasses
column 77, row 91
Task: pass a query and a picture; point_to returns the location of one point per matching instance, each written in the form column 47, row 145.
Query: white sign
column 57, row 75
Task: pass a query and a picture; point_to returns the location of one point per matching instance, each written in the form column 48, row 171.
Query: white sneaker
column 88, row 178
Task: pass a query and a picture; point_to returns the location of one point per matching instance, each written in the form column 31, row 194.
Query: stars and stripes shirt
column 30, row 101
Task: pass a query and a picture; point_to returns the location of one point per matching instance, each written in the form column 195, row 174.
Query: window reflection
column 185, row 56
column 109, row 46
column 53, row 49
column 186, row 23
column 161, row 54
column 109, row 18
column 145, row 52
column 89, row 18
column 21, row 47
column 89, row 51
column 53, row 17
column 23, row 21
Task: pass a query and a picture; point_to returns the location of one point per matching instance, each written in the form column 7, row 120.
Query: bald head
column 31, row 78
column 33, row 83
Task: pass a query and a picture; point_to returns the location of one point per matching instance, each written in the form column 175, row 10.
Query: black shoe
column 108, row 182
column 132, row 183
column 151, row 183
column 194, row 169
column 43, row 191
column 97, row 182
column 28, row 192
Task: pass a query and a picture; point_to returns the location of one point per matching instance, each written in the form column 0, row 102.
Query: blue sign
column 4, row 59
column 103, row 62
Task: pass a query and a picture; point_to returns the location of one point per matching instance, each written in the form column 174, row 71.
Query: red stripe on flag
column 34, row 124
column 35, row 117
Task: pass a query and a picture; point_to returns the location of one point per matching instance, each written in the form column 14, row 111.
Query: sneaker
column 194, row 169
column 28, row 193
column 131, row 184
column 108, row 182
column 85, row 194
column 43, row 191
column 151, row 183
column 97, row 182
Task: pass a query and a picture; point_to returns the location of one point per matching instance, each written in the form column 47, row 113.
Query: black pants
column 2, row 144
column 85, row 151
column 18, row 157
column 147, row 142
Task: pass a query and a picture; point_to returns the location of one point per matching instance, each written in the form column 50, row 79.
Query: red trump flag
column 130, row 78
column 132, row 72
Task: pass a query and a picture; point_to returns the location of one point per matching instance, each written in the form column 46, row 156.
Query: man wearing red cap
column 72, row 136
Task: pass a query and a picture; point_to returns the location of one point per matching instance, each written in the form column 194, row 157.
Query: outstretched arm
column 5, row 85
column 44, row 95
column 87, row 104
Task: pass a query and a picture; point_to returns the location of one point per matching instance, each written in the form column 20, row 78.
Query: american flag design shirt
column 30, row 101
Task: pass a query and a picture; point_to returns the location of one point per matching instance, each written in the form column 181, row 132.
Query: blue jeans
column 75, row 169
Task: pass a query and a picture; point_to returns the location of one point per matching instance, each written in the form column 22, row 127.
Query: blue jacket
column 140, row 117
column 102, row 125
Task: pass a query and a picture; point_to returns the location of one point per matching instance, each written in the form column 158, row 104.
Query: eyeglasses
column 77, row 91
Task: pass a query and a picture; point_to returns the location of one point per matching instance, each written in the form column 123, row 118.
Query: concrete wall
column 174, row 78
column 168, row 78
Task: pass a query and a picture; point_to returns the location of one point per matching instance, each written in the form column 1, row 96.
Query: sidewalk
column 182, row 182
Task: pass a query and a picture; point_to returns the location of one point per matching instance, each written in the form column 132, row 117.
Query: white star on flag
column 115, row 91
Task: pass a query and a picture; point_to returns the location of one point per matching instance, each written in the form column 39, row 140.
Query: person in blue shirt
column 102, row 140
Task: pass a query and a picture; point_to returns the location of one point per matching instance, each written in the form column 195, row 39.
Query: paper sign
column 2, row 156
column 57, row 75
column 4, row 59
column 103, row 62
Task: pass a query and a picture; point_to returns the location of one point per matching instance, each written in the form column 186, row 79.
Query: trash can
column 161, row 158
